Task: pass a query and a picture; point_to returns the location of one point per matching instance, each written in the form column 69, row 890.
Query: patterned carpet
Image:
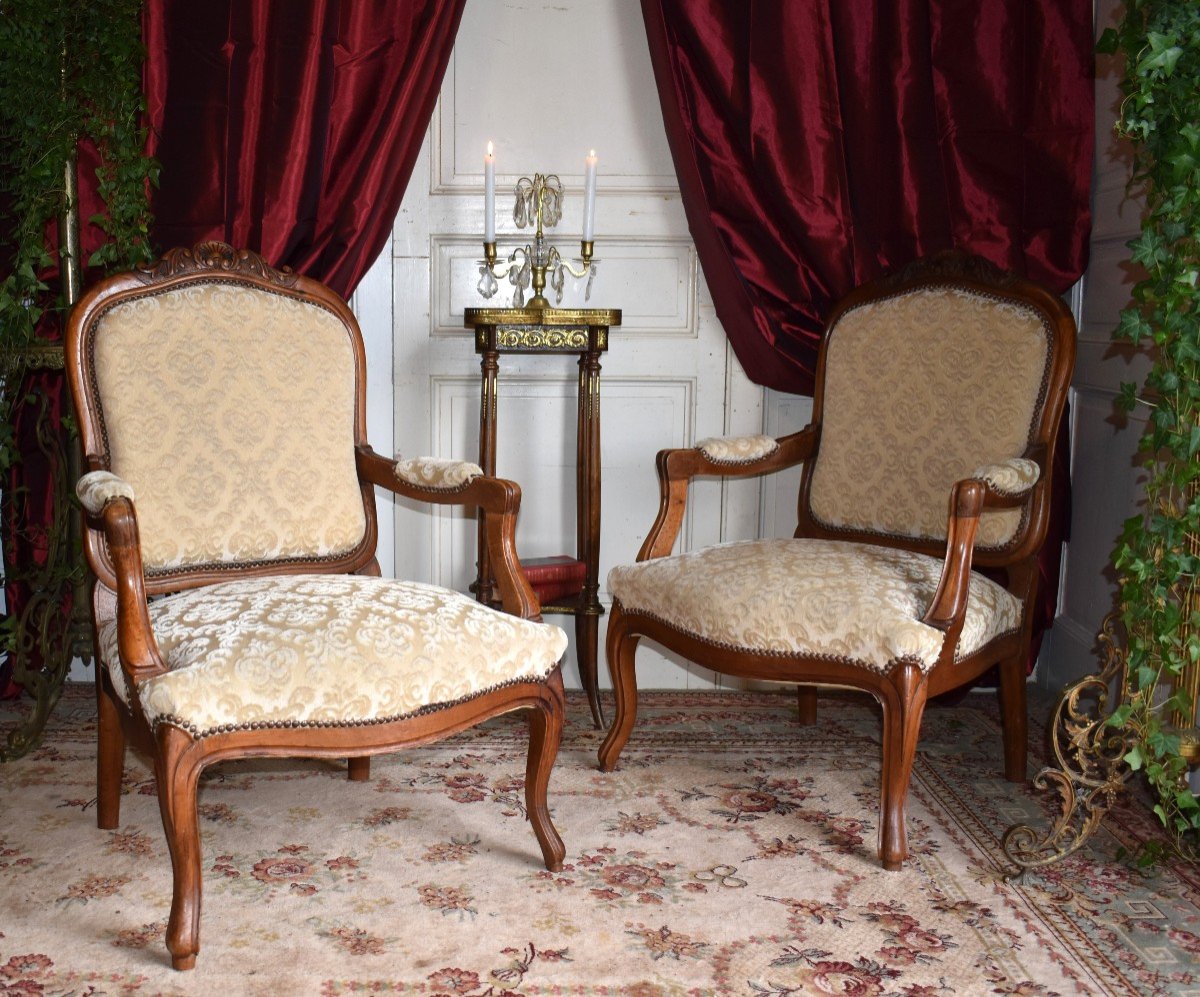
column 733, row 853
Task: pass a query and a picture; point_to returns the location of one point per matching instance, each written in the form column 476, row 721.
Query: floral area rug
column 732, row 853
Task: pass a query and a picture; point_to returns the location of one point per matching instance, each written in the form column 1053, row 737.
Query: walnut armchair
column 945, row 383
column 238, row 608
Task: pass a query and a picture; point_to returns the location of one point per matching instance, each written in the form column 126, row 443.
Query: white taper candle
column 489, row 196
column 589, row 196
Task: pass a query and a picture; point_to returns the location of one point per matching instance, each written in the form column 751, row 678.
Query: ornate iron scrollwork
column 41, row 646
column 1091, row 773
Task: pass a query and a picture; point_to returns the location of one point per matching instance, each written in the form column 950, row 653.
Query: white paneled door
column 546, row 83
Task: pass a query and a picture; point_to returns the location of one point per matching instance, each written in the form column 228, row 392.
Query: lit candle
column 589, row 196
column 489, row 196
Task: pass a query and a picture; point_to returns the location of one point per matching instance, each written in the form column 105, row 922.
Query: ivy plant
column 1158, row 556
column 70, row 76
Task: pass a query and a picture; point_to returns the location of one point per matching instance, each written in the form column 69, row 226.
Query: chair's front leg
column 545, row 735
column 178, row 774
column 621, row 649
column 903, row 704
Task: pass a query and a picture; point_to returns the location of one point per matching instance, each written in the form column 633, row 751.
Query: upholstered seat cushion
column 826, row 598
column 327, row 650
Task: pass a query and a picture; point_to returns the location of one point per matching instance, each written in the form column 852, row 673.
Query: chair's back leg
column 1013, row 713
column 359, row 769
column 110, row 755
column 806, row 704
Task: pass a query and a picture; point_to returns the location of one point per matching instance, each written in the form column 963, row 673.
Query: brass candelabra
column 538, row 204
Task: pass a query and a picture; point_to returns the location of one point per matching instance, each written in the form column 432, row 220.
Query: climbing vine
column 1158, row 556
column 70, row 80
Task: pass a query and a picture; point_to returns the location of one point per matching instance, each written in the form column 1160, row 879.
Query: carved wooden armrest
column 109, row 500
column 498, row 498
column 733, row 457
column 1002, row 485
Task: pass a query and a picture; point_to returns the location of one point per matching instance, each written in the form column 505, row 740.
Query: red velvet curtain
column 286, row 126
column 819, row 145
column 292, row 126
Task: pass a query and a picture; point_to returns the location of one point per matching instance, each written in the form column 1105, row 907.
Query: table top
column 475, row 317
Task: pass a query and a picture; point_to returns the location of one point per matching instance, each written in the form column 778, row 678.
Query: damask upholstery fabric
column 737, row 449
column 327, row 650
column 215, row 397
column 437, row 473
column 828, row 598
column 96, row 487
column 921, row 389
column 1011, row 477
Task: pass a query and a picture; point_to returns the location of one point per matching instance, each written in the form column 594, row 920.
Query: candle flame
column 489, row 152
column 592, row 154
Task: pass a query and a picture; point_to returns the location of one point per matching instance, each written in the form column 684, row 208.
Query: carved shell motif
column 209, row 257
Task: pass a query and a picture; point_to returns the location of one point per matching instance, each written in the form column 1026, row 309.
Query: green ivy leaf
column 1133, row 758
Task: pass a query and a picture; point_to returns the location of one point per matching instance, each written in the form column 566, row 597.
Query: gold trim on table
column 473, row 317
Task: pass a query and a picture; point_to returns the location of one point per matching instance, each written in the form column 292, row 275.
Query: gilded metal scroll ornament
column 1091, row 770
column 532, row 338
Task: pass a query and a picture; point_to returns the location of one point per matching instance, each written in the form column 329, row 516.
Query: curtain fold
column 819, row 145
column 292, row 128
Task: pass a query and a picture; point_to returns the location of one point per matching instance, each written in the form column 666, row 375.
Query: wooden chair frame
column 114, row 554
column 903, row 691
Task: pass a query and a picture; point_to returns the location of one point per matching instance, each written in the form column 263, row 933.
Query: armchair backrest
column 230, row 396
column 923, row 378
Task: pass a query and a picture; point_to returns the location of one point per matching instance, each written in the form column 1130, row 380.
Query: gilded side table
column 577, row 331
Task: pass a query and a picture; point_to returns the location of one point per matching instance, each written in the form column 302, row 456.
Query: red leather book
column 554, row 577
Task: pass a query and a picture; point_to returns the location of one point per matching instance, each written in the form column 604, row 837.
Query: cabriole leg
column 545, row 735
column 621, row 648
column 178, row 776
column 903, row 706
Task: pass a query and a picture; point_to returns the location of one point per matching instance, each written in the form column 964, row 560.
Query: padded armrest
column 436, row 473
column 97, row 488
column 1011, row 477
column 109, row 498
column 737, row 449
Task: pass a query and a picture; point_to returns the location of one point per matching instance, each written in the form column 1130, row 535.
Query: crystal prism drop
column 487, row 282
